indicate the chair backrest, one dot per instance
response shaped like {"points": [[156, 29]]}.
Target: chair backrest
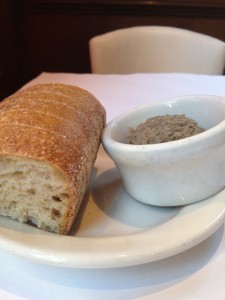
{"points": [[156, 49]]}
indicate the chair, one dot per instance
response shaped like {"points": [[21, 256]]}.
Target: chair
{"points": [[156, 49]]}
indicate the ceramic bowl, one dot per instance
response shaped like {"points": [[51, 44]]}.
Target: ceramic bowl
{"points": [[172, 173]]}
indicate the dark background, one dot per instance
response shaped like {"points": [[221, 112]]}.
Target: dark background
{"points": [[53, 35]]}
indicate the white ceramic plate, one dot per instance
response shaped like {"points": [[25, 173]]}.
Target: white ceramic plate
{"points": [[114, 230]]}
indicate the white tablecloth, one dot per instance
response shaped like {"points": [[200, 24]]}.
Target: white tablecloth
{"points": [[198, 273]]}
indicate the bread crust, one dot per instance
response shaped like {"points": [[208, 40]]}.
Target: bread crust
{"points": [[59, 125]]}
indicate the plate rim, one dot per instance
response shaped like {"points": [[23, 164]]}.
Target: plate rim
{"points": [[114, 251]]}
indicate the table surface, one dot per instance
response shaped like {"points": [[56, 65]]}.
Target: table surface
{"points": [[197, 273]]}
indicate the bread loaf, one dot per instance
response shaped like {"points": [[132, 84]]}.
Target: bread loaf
{"points": [[50, 134]]}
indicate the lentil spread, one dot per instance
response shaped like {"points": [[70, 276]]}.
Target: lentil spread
{"points": [[162, 129]]}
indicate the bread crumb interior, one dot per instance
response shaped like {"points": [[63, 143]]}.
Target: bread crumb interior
{"points": [[33, 192]]}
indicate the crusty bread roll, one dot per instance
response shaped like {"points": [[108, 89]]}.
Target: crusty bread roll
{"points": [[50, 134]]}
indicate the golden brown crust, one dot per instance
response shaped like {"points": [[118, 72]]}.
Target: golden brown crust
{"points": [[58, 124]]}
